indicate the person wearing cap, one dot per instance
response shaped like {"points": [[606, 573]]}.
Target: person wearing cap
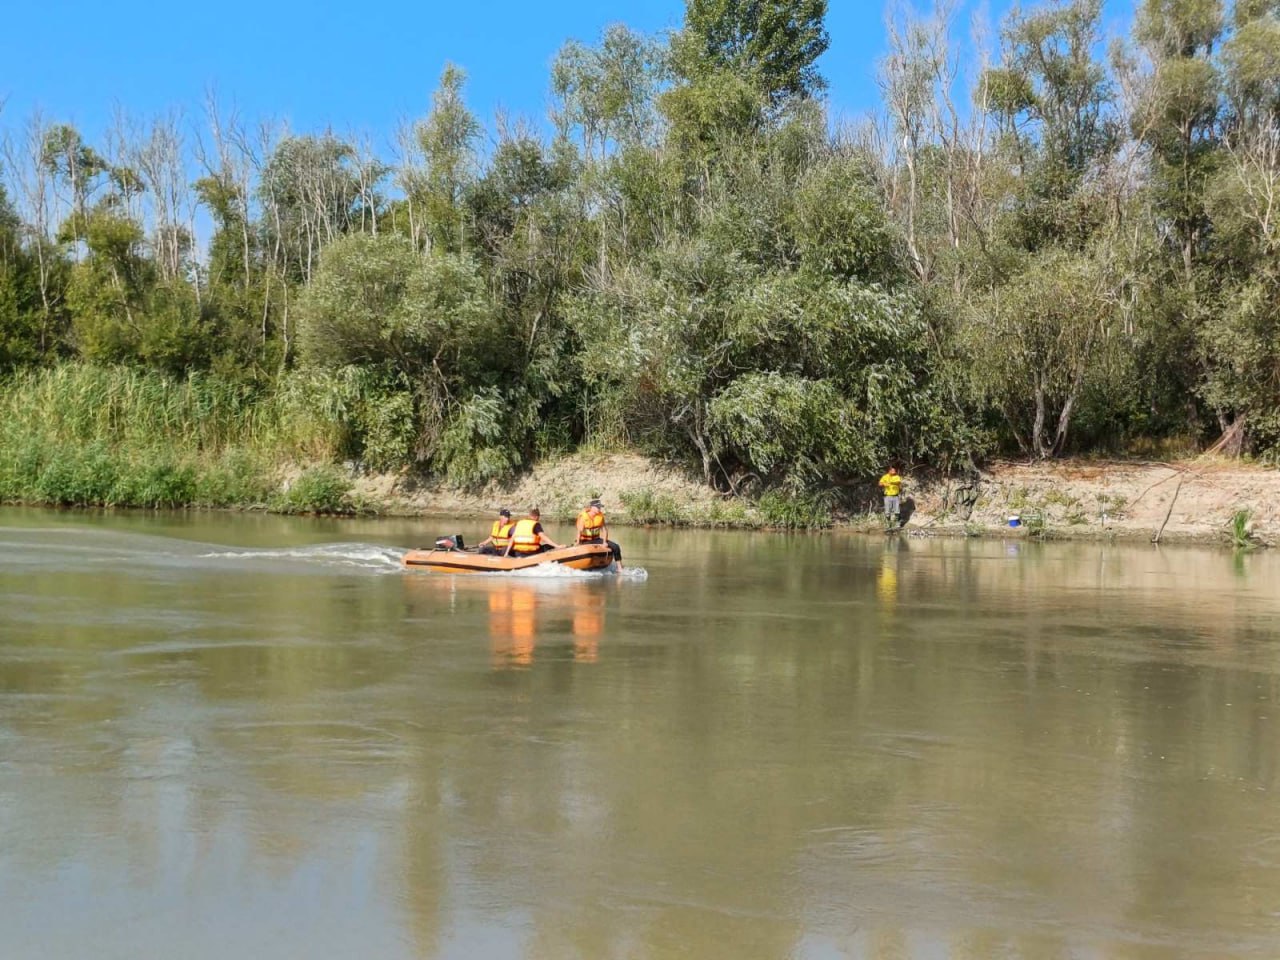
{"points": [[500, 536], [592, 529], [891, 484], [528, 537]]}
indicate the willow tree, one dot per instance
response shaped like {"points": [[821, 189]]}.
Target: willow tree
{"points": [[1242, 338], [740, 64], [1035, 328], [408, 341], [441, 165], [606, 94], [774, 45]]}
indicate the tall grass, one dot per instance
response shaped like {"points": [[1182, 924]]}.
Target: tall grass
{"points": [[106, 436], [317, 490], [1240, 530]]}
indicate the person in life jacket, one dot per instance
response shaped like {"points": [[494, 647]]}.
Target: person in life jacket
{"points": [[528, 536], [593, 529], [500, 535]]}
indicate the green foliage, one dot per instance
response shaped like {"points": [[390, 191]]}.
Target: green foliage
{"points": [[1036, 343], [445, 144], [23, 327], [237, 478], [1240, 531], [476, 446], [323, 490], [840, 227], [352, 312], [650, 507], [789, 430], [177, 333], [314, 186], [721, 105], [376, 302], [795, 511], [774, 46], [418, 346], [79, 435], [1036, 525], [161, 483], [107, 290], [607, 92]]}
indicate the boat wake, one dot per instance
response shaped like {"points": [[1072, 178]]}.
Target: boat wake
{"points": [[374, 558], [557, 571], [363, 556]]}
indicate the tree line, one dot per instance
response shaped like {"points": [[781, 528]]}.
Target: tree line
{"points": [[1052, 243]]}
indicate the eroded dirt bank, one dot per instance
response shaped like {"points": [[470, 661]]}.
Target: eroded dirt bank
{"points": [[1192, 500], [1186, 501]]}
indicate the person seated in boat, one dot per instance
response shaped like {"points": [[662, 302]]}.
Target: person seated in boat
{"points": [[528, 537], [499, 536], [593, 529]]}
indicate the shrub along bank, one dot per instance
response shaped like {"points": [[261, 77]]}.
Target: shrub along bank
{"points": [[81, 435]]}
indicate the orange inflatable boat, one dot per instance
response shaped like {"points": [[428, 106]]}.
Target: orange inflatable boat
{"points": [[449, 559]]}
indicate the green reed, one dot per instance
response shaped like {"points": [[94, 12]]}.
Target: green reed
{"points": [[82, 435]]}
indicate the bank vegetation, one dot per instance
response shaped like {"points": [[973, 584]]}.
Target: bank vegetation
{"points": [[1065, 244]]}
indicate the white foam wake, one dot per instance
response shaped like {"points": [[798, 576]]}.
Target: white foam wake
{"points": [[364, 556], [552, 571]]}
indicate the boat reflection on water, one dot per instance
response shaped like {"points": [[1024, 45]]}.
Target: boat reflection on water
{"points": [[588, 626], [526, 613], [520, 614], [513, 625]]}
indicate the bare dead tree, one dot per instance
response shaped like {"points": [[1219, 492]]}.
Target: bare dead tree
{"points": [[369, 172], [921, 81], [230, 163], [268, 135], [159, 161], [1253, 152], [119, 147], [411, 177], [905, 84]]}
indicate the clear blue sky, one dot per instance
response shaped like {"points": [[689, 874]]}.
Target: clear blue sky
{"points": [[353, 66]]}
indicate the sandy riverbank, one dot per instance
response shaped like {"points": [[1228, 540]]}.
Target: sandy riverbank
{"points": [[1190, 501], [1185, 501]]}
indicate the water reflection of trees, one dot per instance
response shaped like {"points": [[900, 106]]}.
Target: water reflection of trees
{"points": [[771, 744]]}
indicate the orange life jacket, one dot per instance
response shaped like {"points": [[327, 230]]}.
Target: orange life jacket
{"points": [[500, 535], [523, 538], [590, 526]]}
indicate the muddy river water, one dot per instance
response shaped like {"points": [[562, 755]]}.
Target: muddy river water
{"points": [[244, 736]]}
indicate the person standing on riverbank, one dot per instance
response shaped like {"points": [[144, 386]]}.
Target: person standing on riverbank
{"points": [[891, 484], [593, 529]]}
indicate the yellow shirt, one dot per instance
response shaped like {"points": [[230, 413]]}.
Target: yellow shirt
{"points": [[892, 484]]}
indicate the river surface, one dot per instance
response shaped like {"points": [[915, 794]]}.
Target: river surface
{"points": [[234, 736]]}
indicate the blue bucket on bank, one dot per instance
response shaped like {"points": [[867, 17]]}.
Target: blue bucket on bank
{"points": [[1015, 521]]}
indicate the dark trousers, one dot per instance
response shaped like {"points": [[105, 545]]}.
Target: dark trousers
{"points": [[617, 550], [542, 548]]}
